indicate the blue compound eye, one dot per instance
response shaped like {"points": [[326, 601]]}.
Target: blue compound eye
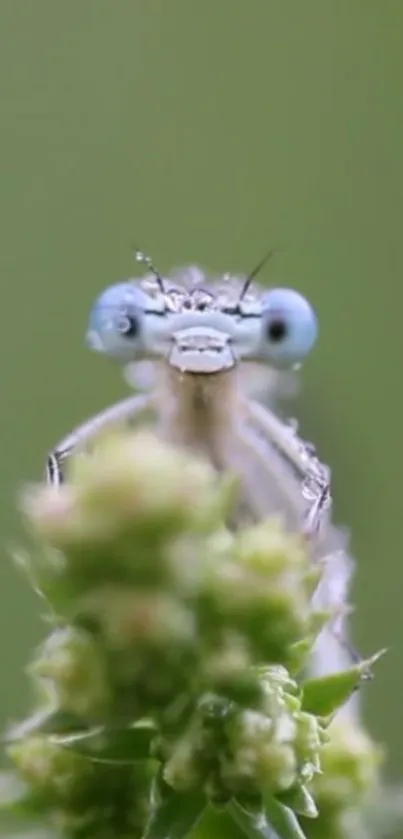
{"points": [[289, 327], [117, 321]]}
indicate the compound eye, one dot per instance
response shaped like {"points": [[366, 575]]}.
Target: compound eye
{"points": [[289, 327], [128, 323], [116, 322]]}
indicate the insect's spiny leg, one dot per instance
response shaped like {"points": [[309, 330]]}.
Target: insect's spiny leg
{"points": [[54, 474], [124, 410], [261, 471], [282, 436], [316, 486], [314, 515], [302, 458]]}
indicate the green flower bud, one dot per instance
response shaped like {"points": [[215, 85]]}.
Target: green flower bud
{"points": [[131, 484], [123, 508], [275, 748], [261, 754], [348, 780], [188, 768], [257, 584], [79, 797], [350, 762], [73, 666], [227, 670], [150, 642], [50, 771], [137, 618], [308, 742]]}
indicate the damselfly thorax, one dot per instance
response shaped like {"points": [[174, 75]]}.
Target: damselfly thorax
{"points": [[215, 344]]}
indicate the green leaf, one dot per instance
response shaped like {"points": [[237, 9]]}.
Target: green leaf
{"points": [[275, 821], [301, 801], [175, 816], [298, 653], [322, 696], [112, 745]]}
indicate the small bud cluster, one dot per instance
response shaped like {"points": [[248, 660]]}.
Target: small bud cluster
{"points": [[350, 763], [235, 750], [79, 797], [175, 652]]}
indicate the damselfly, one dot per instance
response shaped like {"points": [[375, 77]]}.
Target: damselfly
{"points": [[206, 338]]}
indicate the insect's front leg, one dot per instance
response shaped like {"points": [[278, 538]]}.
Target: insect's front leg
{"points": [[124, 410], [301, 456], [317, 490]]}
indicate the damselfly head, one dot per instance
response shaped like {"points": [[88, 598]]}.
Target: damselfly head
{"points": [[201, 324]]}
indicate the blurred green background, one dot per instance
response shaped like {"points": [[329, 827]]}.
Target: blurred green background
{"points": [[207, 131]]}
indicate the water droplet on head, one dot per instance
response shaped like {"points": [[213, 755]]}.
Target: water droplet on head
{"points": [[144, 259]]}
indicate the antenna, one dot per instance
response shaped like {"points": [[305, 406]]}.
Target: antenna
{"points": [[254, 273], [145, 260]]}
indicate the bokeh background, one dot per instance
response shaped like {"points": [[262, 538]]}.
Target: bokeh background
{"points": [[205, 131]]}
